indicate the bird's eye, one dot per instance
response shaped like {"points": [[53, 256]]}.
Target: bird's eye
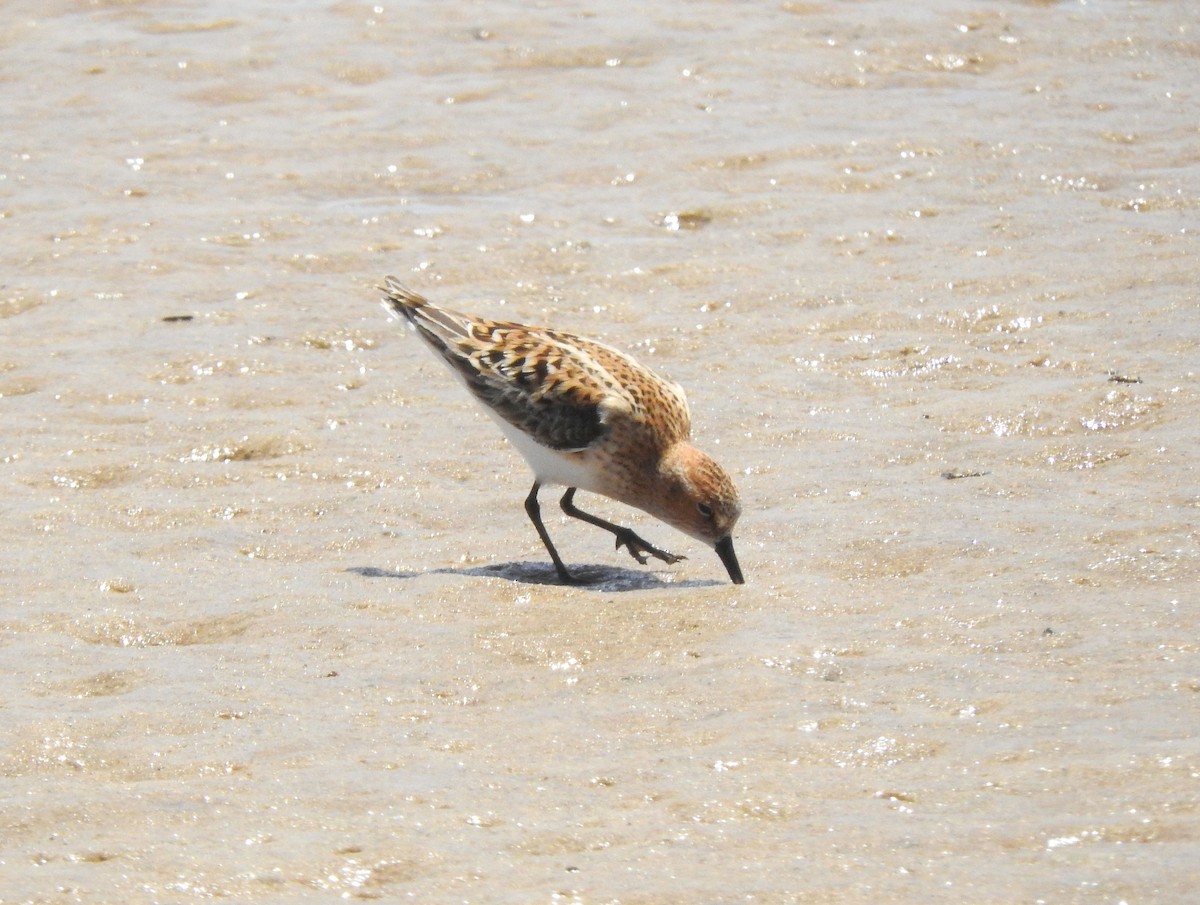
{"points": [[705, 510]]}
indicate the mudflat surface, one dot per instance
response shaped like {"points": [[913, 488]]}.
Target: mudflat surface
{"points": [[274, 626]]}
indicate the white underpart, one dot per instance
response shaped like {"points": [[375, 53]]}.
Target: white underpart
{"points": [[550, 466]]}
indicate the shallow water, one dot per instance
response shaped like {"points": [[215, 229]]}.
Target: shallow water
{"points": [[274, 623]]}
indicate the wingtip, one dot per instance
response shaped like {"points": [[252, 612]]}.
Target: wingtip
{"points": [[399, 299]]}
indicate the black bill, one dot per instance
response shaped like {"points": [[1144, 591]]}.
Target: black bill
{"points": [[725, 551]]}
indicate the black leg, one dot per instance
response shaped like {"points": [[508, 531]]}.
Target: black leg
{"points": [[534, 509], [637, 547]]}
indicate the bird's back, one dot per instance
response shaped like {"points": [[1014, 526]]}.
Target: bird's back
{"points": [[566, 391]]}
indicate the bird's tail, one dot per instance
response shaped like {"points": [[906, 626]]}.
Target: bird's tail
{"points": [[400, 299], [437, 325]]}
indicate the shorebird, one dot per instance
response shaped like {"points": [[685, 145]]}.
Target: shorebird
{"points": [[587, 417]]}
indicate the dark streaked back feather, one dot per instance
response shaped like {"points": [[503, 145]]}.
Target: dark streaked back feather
{"points": [[521, 373]]}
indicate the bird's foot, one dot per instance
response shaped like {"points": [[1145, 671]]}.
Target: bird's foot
{"points": [[639, 548]]}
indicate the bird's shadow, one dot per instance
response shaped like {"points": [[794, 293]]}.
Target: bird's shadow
{"points": [[588, 578]]}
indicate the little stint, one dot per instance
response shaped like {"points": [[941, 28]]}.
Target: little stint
{"points": [[587, 417]]}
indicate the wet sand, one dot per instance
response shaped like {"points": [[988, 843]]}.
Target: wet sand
{"points": [[275, 626]]}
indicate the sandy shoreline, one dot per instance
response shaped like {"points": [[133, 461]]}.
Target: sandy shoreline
{"points": [[274, 622]]}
